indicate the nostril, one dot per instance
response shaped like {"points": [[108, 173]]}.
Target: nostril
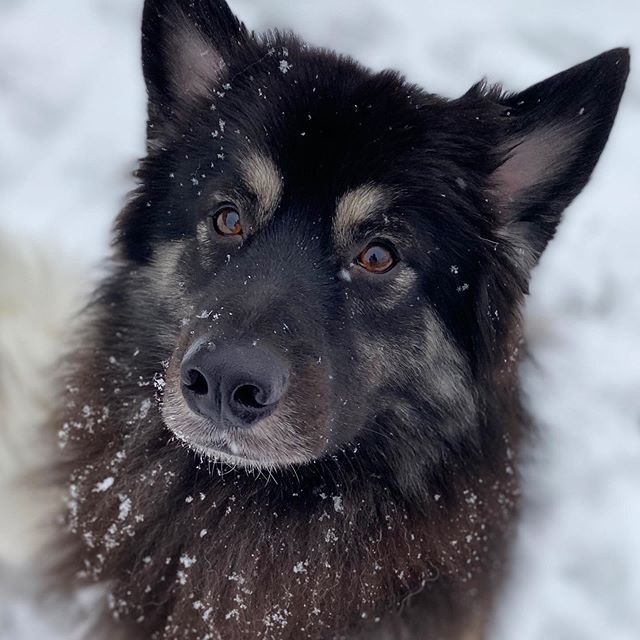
{"points": [[196, 382], [234, 386], [249, 396]]}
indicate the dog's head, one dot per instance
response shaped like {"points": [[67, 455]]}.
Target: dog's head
{"points": [[334, 257]]}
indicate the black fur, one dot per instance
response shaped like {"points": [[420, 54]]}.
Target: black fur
{"points": [[397, 524]]}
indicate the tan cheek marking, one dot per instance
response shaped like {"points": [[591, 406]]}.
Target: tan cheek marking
{"points": [[263, 178], [204, 243], [165, 261], [355, 206], [202, 232]]}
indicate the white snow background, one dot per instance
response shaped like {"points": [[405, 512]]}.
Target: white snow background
{"points": [[72, 110]]}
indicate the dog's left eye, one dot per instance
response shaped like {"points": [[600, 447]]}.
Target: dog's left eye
{"points": [[377, 258], [226, 221]]}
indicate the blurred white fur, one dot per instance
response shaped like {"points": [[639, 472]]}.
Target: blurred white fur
{"points": [[40, 292]]}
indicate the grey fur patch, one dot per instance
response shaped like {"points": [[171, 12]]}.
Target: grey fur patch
{"points": [[205, 247], [398, 288], [160, 282], [165, 262], [432, 361]]}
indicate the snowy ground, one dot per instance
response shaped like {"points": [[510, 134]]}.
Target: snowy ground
{"points": [[71, 125]]}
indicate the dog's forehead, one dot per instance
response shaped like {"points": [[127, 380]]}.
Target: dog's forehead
{"points": [[327, 136], [347, 207], [325, 117]]}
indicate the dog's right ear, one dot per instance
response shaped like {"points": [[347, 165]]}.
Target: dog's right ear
{"points": [[186, 47]]}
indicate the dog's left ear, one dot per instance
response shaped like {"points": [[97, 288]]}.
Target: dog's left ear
{"points": [[187, 46], [553, 135]]}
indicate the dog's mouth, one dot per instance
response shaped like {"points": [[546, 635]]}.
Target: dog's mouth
{"points": [[229, 453], [271, 445]]}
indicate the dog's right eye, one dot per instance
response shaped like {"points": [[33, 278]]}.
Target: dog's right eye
{"points": [[226, 221]]}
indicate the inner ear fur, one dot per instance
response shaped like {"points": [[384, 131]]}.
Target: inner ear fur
{"points": [[186, 48]]}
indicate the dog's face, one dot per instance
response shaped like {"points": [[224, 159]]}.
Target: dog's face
{"points": [[336, 257], [313, 235]]}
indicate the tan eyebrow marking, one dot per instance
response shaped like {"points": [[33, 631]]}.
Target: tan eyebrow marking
{"points": [[356, 206], [262, 177]]}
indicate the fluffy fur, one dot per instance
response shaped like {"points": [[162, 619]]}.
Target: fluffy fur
{"points": [[378, 499], [39, 291]]}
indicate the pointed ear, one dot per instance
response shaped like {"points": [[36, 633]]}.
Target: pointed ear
{"points": [[186, 47], [553, 135]]}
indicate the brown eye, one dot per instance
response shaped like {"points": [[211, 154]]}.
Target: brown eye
{"points": [[227, 221], [377, 258]]}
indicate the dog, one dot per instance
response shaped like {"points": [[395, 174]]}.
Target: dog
{"points": [[293, 409]]}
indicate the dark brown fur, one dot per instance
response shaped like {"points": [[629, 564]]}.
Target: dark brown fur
{"points": [[437, 562]]}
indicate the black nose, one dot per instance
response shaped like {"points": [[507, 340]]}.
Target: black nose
{"points": [[233, 385]]}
